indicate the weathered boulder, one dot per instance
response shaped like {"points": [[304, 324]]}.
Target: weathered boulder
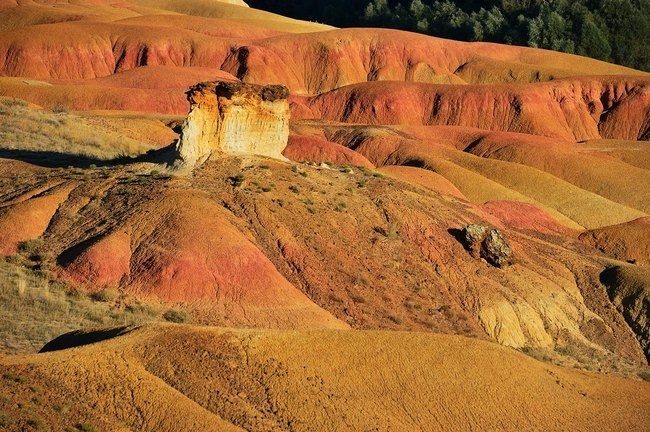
{"points": [[234, 118], [484, 242]]}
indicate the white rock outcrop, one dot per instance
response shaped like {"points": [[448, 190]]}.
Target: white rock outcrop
{"points": [[234, 119]]}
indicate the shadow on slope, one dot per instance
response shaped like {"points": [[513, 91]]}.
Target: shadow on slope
{"points": [[52, 159], [81, 337]]}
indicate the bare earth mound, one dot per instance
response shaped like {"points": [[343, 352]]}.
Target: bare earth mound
{"points": [[171, 378]]}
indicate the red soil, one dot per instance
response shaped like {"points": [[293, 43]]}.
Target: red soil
{"points": [[306, 148]]}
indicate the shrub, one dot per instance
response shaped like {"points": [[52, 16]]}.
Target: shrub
{"points": [[175, 316], [31, 248], [59, 108], [295, 189], [340, 207], [645, 376], [237, 180]]}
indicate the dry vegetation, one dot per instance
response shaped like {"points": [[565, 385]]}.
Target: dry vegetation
{"points": [[35, 309], [58, 134]]}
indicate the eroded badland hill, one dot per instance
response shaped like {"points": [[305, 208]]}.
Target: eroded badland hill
{"points": [[310, 212]]}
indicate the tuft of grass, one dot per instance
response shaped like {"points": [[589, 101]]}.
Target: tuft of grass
{"points": [[86, 427], [535, 353], [645, 376], [14, 378], [295, 189], [37, 423], [105, 295], [63, 408], [5, 420], [340, 207]]}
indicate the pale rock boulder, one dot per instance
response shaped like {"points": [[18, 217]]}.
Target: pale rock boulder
{"points": [[232, 118]]}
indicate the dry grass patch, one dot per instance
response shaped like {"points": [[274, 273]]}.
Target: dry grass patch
{"points": [[57, 131], [35, 309]]}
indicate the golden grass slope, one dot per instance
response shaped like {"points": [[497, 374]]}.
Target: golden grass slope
{"points": [[168, 378]]}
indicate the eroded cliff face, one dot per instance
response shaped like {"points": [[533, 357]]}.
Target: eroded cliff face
{"points": [[234, 118]]}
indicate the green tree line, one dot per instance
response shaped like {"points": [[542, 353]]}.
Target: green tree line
{"points": [[611, 30]]}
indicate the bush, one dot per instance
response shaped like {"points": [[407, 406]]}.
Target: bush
{"points": [[175, 316], [237, 180], [59, 108], [31, 248]]}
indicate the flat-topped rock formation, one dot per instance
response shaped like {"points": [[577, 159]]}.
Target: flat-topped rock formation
{"points": [[234, 118]]}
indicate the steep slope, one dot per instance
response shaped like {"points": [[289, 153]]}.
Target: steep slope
{"points": [[569, 109], [165, 378]]}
